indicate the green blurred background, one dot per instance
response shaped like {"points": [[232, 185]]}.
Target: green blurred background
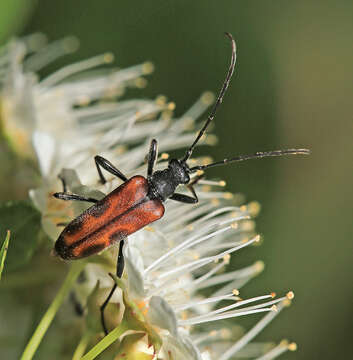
{"points": [[292, 88]]}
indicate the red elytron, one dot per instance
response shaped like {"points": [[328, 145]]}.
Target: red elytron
{"points": [[121, 213]]}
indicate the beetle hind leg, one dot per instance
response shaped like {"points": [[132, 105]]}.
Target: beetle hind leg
{"points": [[119, 273]]}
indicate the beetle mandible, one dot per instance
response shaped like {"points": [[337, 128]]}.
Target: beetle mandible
{"points": [[139, 200]]}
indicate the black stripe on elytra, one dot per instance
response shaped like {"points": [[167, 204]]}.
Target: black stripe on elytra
{"points": [[108, 223], [98, 209], [92, 249]]}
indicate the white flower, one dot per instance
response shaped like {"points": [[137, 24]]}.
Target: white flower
{"points": [[70, 116]]}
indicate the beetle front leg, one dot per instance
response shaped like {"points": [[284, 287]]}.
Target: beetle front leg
{"points": [[119, 273], [152, 156], [108, 166], [186, 199]]}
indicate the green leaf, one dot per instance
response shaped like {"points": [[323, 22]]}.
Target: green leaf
{"points": [[3, 251], [25, 222]]}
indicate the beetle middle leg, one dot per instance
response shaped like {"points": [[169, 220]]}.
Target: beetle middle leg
{"points": [[108, 166], [119, 273], [64, 195], [68, 196]]}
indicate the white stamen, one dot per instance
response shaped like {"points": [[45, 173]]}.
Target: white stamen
{"points": [[250, 334], [75, 68], [282, 347], [202, 262], [204, 301], [195, 321]]}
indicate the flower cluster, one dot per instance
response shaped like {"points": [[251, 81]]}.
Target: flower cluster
{"points": [[175, 275]]}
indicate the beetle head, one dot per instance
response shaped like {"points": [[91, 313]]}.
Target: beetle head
{"points": [[180, 171]]}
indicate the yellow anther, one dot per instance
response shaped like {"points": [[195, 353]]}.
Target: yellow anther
{"points": [[290, 295], [235, 292], [149, 228], [284, 343], [248, 225], [71, 44], [228, 195], [147, 67], [171, 106], [207, 98], [254, 208], [257, 238], [199, 172], [292, 346], [234, 225], [221, 183], [243, 208], [161, 100], [226, 259], [84, 100], [259, 266], [164, 156], [190, 227], [273, 295], [140, 83], [108, 58], [215, 202]]}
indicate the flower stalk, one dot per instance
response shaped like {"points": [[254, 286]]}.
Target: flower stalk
{"points": [[107, 341], [48, 317]]}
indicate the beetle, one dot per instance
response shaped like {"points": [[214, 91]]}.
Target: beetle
{"points": [[139, 200]]}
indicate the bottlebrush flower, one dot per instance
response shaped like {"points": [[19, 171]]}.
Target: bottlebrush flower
{"points": [[65, 119]]}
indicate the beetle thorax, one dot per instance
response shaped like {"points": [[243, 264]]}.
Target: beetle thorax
{"points": [[164, 182]]}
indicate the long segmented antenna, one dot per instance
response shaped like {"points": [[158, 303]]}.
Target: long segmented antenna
{"points": [[257, 155], [218, 102]]}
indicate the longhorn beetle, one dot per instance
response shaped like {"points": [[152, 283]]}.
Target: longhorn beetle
{"points": [[139, 200]]}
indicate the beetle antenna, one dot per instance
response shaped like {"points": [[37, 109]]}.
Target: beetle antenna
{"points": [[218, 102], [257, 155]]}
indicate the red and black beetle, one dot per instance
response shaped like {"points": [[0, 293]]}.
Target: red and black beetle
{"points": [[138, 201]]}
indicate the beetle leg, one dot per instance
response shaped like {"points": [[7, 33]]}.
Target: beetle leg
{"points": [[67, 196], [62, 224], [107, 165], [119, 272], [185, 198], [152, 156]]}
